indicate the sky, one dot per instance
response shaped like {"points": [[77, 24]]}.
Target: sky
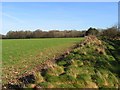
{"points": [[58, 15], [60, 0]]}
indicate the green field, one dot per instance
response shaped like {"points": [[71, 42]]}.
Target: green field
{"points": [[22, 55], [93, 64]]}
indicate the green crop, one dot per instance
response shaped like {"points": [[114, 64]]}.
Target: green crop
{"points": [[22, 55]]}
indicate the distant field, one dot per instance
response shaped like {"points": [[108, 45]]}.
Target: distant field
{"points": [[21, 55]]}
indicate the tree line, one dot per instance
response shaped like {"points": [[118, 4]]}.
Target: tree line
{"points": [[43, 34], [111, 32]]}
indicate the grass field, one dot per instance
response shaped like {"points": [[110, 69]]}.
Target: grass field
{"points": [[90, 65], [22, 55]]}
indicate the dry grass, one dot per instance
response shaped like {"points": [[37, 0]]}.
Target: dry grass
{"points": [[38, 77], [55, 70], [100, 50]]}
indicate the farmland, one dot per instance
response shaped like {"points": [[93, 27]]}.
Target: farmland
{"points": [[90, 65], [23, 55], [60, 45]]}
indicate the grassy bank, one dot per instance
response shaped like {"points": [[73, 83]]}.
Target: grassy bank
{"points": [[90, 65]]}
